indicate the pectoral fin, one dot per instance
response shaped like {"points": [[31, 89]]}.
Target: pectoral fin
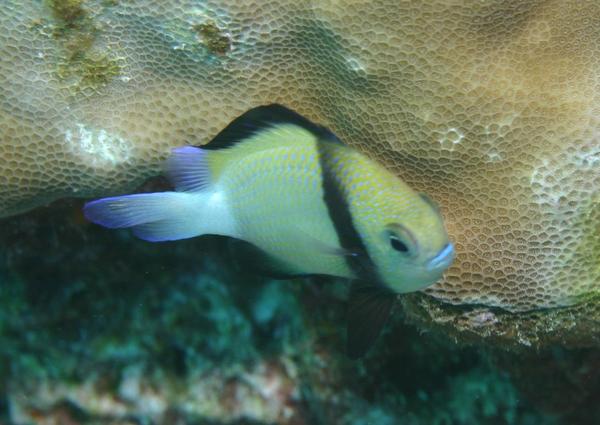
{"points": [[369, 308], [321, 247]]}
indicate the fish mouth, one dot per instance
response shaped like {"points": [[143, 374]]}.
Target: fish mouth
{"points": [[442, 259]]}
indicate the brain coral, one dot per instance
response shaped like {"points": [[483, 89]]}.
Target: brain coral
{"points": [[491, 107]]}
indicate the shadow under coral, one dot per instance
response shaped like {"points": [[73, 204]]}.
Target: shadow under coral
{"points": [[177, 333]]}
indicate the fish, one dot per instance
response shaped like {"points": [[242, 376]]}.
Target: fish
{"points": [[304, 203]]}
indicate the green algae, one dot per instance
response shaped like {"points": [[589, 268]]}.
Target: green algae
{"points": [[216, 40], [591, 299], [588, 251], [91, 70], [67, 11], [81, 63]]}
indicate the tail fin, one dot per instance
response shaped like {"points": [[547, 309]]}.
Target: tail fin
{"points": [[154, 217]]}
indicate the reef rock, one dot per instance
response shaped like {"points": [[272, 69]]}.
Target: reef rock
{"points": [[493, 108]]}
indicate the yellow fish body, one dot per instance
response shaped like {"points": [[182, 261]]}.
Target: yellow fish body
{"points": [[310, 203]]}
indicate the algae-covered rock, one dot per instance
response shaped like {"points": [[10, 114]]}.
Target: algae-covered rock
{"points": [[575, 326]]}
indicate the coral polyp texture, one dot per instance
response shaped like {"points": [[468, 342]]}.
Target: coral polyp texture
{"points": [[492, 108]]}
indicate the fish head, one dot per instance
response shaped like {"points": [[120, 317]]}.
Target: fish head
{"points": [[407, 242]]}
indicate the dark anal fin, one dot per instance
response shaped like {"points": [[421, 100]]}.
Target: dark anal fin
{"points": [[369, 309]]}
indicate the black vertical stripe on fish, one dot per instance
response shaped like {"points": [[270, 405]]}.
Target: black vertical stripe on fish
{"points": [[341, 218], [370, 302], [263, 118]]}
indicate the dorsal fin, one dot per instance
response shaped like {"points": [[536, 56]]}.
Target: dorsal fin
{"points": [[261, 118]]}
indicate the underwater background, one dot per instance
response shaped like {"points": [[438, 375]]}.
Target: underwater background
{"points": [[98, 327], [489, 107]]}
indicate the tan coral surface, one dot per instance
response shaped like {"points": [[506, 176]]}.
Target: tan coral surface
{"points": [[491, 107]]}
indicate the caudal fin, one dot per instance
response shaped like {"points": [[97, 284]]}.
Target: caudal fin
{"points": [[153, 217]]}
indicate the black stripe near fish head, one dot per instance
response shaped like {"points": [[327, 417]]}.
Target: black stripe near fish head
{"points": [[339, 213], [263, 118], [370, 302]]}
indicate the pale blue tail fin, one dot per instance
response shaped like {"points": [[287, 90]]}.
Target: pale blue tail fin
{"points": [[196, 208], [153, 217]]}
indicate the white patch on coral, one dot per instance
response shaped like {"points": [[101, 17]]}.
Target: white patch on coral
{"points": [[355, 65], [450, 138], [97, 147], [179, 46], [506, 122], [542, 185], [588, 160], [493, 155], [490, 145]]}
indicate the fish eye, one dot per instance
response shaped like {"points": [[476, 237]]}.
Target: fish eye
{"points": [[402, 240], [397, 244]]}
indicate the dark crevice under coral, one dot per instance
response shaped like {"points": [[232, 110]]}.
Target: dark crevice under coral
{"points": [[78, 301]]}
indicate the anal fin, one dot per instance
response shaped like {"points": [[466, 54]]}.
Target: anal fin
{"points": [[369, 308]]}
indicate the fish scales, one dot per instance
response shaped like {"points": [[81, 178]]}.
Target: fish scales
{"points": [[276, 196]]}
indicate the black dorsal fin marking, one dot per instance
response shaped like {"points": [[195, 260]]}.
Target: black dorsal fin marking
{"points": [[263, 117]]}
